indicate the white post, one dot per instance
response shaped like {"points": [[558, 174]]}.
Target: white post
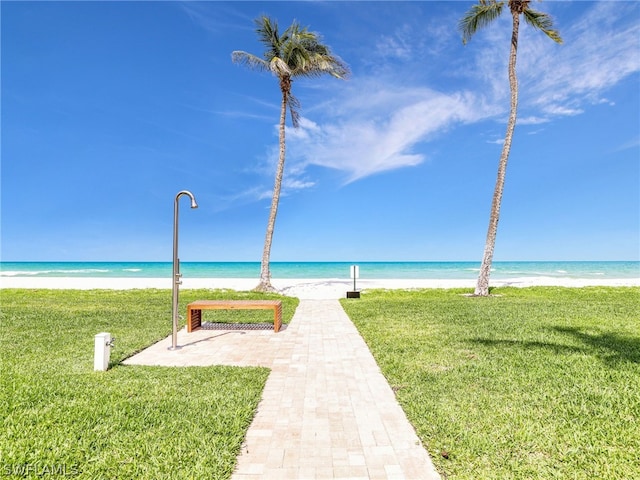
{"points": [[355, 273], [102, 351]]}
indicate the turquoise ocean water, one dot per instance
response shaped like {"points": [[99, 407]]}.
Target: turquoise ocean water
{"points": [[368, 270]]}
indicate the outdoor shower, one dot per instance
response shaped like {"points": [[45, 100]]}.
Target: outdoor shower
{"points": [[176, 266]]}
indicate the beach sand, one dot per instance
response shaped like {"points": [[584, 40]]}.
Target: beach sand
{"points": [[330, 288]]}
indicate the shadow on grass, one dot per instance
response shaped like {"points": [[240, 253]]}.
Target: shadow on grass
{"points": [[523, 344], [611, 347]]}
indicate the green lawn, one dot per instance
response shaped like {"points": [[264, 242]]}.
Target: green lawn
{"points": [[61, 417], [536, 383]]}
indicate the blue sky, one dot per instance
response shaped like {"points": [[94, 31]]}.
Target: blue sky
{"points": [[109, 109]]}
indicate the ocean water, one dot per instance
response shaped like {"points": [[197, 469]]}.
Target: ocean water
{"points": [[336, 270]]}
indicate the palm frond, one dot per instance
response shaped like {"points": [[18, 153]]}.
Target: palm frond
{"points": [[249, 60], [267, 30], [326, 65], [296, 52], [543, 22], [298, 48], [294, 109], [479, 16], [339, 68]]}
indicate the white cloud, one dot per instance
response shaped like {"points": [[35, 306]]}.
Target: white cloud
{"points": [[399, 45], [633, 143], [290, 184], [379, 129], [225, 17], [532, 120], [381, 122], [562, 110], [600, 49]]}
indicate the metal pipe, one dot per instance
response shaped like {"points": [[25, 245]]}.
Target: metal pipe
{"points": [[176, 267]]}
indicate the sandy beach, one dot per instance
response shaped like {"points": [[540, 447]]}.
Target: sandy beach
{"points": [[329, 288]]}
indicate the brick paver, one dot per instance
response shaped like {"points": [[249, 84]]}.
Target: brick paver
{"points": [[326, 412]]}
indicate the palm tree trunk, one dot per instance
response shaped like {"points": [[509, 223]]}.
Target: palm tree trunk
{"points": [[482, 286], [265, 272]]}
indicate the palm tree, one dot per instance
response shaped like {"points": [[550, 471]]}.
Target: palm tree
{"points": [[479, 16], [295, 53]]}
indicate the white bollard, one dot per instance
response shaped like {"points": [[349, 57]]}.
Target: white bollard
{"points": [[355, 273], [102, 351]]}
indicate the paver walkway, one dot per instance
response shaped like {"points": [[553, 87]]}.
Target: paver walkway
{"points": [[326, 412]]}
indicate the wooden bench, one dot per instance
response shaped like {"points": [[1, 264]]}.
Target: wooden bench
{"points": [[194, 310]]}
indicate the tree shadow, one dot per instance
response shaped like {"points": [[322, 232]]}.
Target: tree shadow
{"points": [[610, 347], [522, 344]]}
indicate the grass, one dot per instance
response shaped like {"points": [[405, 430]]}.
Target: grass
{"points": [[60, 417], [536, 383]]}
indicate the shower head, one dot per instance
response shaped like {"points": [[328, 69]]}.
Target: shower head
{"points": [[194, 204]]}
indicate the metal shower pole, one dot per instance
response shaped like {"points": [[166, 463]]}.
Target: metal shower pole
{"points": [[176, 266]]}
